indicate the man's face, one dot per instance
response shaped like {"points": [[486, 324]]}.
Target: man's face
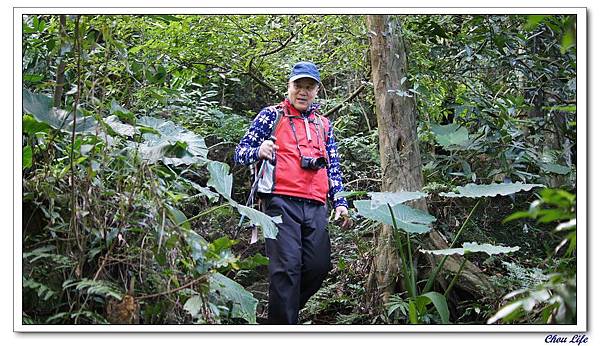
{"points": [[302, 92]]}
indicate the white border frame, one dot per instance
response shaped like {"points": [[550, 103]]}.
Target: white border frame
{"points": [[582, 256]]}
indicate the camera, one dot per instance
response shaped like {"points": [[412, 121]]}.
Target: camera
{"points": [[314, 163]]}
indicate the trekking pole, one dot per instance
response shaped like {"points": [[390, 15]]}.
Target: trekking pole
{"points": [[250, 200]]}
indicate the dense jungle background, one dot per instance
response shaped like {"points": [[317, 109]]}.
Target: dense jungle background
{"points": [[458, 142]]}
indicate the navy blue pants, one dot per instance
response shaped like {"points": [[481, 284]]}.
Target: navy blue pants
{"points": [[299, 258]]}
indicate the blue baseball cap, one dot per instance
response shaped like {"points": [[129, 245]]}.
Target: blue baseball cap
{"points": [[305, 69]]}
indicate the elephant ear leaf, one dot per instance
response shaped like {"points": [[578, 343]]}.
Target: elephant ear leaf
{"points": [[226, 291], [409, 219], [473, 247], [490, 190], [170, 143], [220, 178], [393, 198], [266, 222], [40, 107], [451, 135]]}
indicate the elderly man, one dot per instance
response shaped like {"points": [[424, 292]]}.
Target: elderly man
{"points": [[302, 168]]}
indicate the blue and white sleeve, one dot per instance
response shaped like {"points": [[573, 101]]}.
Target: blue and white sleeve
{"points": [[246, 151], [334, 171]]}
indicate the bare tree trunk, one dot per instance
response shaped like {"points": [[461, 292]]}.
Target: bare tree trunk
{"points": [[398, 147], [400, 158]]}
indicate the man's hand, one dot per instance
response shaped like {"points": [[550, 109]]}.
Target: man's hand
{"points": [[267, 150], [343, 212]]}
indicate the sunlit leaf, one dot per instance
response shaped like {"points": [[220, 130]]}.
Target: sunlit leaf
{"points": [[32, 126], [27, 156], [533, 21], [172, 133], [504, 312], [166, 143], [347, 194]]}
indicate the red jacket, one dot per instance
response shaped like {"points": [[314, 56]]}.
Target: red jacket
{"points": [[285, 176]]}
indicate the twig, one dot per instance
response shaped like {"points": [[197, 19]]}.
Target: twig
{"points": [[148, 296], [348, 99], [77, 96], [361, 179]]}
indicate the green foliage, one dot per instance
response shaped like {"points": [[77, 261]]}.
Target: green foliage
{"points": [[554, 300], [136, 193]]}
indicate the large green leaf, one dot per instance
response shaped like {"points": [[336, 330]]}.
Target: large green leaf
{"points": [[27, 156], [171, 133], [193, 305], [473, 247], [213, 197], [555, 168], [266, 223], [122, 113], [227, 291], [120, 127], [178, 217], [439, 302], [170, 143], [475, 190], [451, 135], [199, 248], [409, 219], [40, 106], [220, 178], [393, 198], [32, 126]]}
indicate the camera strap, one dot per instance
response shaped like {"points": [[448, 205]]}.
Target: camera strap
{"points": [[294, 132]]}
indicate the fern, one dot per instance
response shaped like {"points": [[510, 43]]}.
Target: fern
{"points": [[44, 253], [42, 290], [92, 316], [97, 287]]}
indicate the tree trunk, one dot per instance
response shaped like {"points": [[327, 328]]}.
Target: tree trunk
{"points": [[60, 71], [400, 159]]}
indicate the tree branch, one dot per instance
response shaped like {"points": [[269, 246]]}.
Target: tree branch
{"points": [[348, 99], [148, 296]]}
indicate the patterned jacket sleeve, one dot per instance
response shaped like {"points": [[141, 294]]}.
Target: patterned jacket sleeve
{"points": [[246, 151], [334, 171]]}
